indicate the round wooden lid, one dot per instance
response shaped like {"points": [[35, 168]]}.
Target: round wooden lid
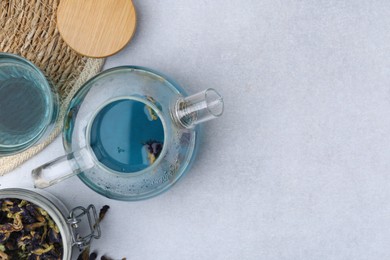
{"points": [[96, 28]]}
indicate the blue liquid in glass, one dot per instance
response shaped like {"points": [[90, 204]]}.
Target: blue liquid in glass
{"points": [[22, 110], [127, 135]]}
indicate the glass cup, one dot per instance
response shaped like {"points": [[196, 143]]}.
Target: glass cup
{"points": [[28, 105]]}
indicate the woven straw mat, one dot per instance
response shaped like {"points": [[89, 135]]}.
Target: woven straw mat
{"points": [[28, 28]]}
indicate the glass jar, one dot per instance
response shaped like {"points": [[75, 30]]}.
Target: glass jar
{"points": [[68, 222]]}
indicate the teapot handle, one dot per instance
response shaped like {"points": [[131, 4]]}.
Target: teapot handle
{"points": [[62, 168]]}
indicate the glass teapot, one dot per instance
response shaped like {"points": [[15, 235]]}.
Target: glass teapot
{"points": [[130, 133]]}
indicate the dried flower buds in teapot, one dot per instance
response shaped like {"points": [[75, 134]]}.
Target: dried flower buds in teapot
{"points": [[27, 232]]}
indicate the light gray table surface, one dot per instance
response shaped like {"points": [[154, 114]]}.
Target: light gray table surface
{"points": [[298, 167]]}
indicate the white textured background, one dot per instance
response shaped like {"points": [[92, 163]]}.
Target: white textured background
{"points": [[298, 167]]}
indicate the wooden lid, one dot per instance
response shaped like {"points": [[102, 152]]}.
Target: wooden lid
{"points": [[96, 28]]}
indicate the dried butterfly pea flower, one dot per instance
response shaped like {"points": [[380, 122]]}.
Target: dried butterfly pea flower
{"points": [[108, 258], [153, 149], [54, 236], [3, 238], [27, 232], [93, 256], [27, 217]]}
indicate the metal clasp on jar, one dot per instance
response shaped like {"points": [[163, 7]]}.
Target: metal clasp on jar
{"points": [[76, 216]]}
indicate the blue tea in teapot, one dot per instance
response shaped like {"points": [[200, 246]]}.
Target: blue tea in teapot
{"points": [[126, 135]]}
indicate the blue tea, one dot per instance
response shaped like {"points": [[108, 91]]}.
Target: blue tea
{"points": [[23, 107], [127, 135]]}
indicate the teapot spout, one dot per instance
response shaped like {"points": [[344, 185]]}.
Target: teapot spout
{"points": [[198, 108]]}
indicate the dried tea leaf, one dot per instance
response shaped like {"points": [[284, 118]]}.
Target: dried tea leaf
{"points": [[84, 255], [103, 212]]}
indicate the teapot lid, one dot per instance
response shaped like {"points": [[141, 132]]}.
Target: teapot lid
{"points": [[96, 28]]}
